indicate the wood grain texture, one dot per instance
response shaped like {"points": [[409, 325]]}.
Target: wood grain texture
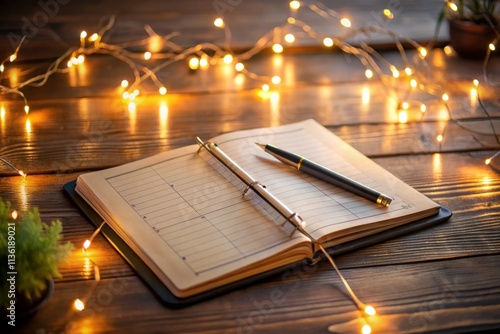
{"points": [[410, 299], [443, 279]]}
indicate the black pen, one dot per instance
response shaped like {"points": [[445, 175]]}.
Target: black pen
{"points": [[325, 174]]}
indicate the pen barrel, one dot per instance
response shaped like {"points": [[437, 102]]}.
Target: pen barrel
{"points": [[340, 181]]}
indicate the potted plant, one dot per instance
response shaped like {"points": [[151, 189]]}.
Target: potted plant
{"points": [[30, 252], [472, 26]]}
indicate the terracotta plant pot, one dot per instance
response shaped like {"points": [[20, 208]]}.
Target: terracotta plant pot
{"points": [[470, 40]]}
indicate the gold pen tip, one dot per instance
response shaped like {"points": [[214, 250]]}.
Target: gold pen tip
{"points": [[262, 146]]}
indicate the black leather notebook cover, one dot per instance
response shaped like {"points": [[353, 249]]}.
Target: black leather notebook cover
{"points": [[170, 300]]}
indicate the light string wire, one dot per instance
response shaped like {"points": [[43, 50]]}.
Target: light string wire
{"points": [[374, 62]]}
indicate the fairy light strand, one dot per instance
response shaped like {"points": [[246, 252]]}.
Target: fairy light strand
{"points": [[20, 172]]}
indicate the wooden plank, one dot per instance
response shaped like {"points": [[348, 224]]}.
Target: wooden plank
{"points": [[460, 182], [410, 298], [99, 144], [52, 27]]}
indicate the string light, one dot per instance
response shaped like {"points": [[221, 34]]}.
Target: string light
{"points": [[492, 47], [453, 6], [124, 83], [87, 242], [228, 58], [147, 55], [219, 22], [345, 22], [194, 63], [294, 5], [488, 161], [445, 97], [163, 90], [239, 67], [328, 42], [20, 172], [276, 80], [78, 305], [369, 74], [265, 88], [277, 48], [289, 38], [366, 329], [14, 214]]}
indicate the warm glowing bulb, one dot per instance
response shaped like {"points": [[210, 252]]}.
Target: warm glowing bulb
{"points": [[277, 48], [405, 105], [228, 59], [136, 92], [422, 51], [69, 63], [413, 83], [395, 72], [276, 80], [491, 46], [366, 329], [294, 5], [289, 38], [448, 50], [423, 108], [79, 305], [2, 68], [86, 244], [408, 71], [12, 57], [81, 59], [388, 13], [131, 96], [94, 37], [147, 55], [328, 42], [125, 95], [194, 63], [487, 161], [475, 82], [345, 22], [163, 90], [26, 108], [124, 83], [369, 74], [14, 214], [83, 34], [370, 310], [203, 62], [219, 22], [291, 20], [453, 6], [265, 88], [439, 138], [445, 97], [239, 67], [23, 174]]}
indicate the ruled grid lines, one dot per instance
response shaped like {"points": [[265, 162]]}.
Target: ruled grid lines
{"points": [[195, 206], [320, 204]]}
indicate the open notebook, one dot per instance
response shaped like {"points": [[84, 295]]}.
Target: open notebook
{"points": [[183, 214]]}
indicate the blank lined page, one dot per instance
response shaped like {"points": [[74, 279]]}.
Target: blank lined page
{"points": [[325, 207], [197, 212]]}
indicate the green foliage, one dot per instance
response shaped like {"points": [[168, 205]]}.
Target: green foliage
{"points": [[477, 11], [38, 251]]}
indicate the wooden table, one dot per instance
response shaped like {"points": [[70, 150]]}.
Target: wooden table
{"points": [[442, 279]]}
